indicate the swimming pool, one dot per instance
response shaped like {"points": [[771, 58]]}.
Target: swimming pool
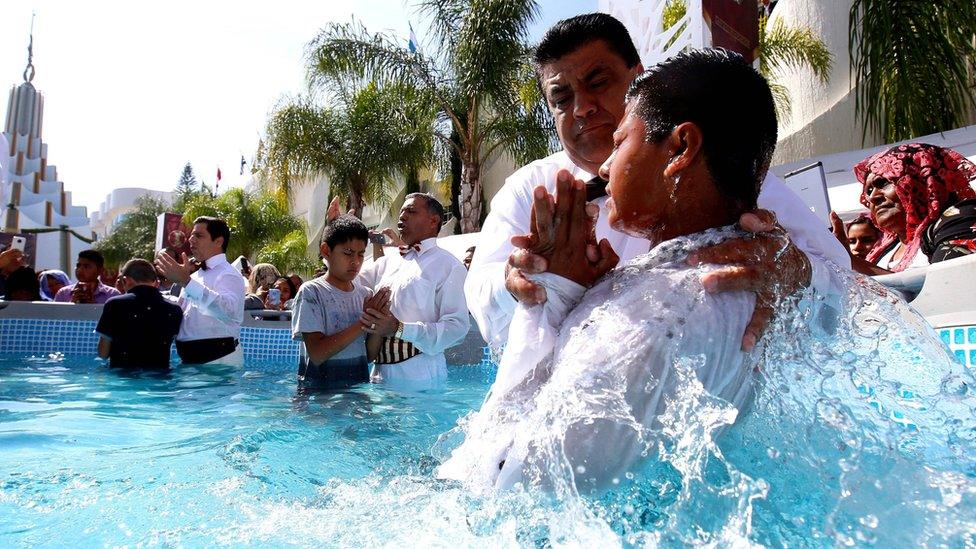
{"points": [[845, 444]]}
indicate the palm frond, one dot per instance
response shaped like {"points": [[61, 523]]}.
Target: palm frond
{"points": [[446, 17], [792, 47], [344, 50], [301, 140], [909, 60], [781, 98], [491, 43]]}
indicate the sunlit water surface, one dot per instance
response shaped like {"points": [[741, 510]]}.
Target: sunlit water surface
{"points": [[865, 439]]}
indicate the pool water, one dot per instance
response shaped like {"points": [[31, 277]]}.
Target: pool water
{"points": [[864, 438], [92, 456]]}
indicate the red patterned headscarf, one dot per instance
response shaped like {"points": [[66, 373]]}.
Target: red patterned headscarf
{"points": [[924, 177]]}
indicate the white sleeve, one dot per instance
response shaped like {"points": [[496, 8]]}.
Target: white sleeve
{"points": [[808, 233], [534, 330], [489, 301], [452, 316], [225, 300]]}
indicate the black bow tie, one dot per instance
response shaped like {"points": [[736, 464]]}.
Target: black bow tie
{"points": [[595, 188], [404, 250], [202, 265]]}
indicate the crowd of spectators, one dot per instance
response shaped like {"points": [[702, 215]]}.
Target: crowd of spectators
{"points": [[921, 209]]}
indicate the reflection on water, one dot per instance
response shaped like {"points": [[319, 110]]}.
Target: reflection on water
{"points": [[858, 435]]}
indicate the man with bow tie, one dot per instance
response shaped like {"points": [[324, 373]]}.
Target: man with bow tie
{"points": [[212, 298], [428, 313]]}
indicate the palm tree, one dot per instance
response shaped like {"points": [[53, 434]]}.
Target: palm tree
{"points": [[912, 62], [363, 142], [477, 75]]}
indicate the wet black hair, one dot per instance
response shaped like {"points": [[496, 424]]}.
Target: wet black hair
{"points": [[215, 228], [343, 229], [434, 206], [569, 35], [94, 256], [731, 104]]}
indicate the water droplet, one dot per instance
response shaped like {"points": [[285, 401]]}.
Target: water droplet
{"points": [[580, 469], [773, 453]]}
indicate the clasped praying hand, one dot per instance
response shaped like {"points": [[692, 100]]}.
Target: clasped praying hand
{"points": [[563, 233]]}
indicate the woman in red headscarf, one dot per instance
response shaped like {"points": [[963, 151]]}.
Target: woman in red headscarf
{"points": [[919, 195]]}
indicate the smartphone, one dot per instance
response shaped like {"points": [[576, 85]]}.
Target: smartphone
{"points": [[377, 238], [274, 296], [18, 243]]}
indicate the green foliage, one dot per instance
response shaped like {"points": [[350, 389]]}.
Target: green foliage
{"points": [[134, 236], [364, 141], [780, 47], [476, 75], [186, 188], [674, 10], [911, 61], [257, 221], [289, 254]]}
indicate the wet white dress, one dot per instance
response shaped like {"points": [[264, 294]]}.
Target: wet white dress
{"points": [[583, 387]]}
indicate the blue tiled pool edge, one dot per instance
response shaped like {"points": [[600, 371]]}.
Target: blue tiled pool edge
{"points": [[41, 336], [42, 329]]}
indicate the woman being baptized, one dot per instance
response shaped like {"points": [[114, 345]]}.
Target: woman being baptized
{"points": [[591, 379]]}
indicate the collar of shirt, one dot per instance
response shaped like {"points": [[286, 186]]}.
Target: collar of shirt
{"points": [[216, 261], [427, 244]]}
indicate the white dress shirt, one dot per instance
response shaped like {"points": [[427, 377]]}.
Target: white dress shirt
{"points": [[212, 302], [427, 295], [620, 368], [492, 305]]}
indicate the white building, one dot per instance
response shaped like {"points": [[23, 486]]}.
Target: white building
{"points": [[33, 196], [117, 204]]}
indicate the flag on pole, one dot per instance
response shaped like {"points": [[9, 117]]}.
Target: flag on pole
{"points": [[413, 44], [243, 163]]}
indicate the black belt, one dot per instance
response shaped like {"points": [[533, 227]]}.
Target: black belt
{"points": [[201, 351]]}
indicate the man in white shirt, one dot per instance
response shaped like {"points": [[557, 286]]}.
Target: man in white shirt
{"points": [[428, 313], [584, 65], [212, 298]]}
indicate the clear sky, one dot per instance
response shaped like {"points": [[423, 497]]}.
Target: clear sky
{"points": [[134, 90]]}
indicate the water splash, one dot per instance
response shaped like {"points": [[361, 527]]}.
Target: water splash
{"points": [[861, 429]]}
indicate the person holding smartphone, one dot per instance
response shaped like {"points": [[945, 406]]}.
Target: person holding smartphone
{"points": [[89, 288]]}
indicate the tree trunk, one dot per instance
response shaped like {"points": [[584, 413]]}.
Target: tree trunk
{"points": [[470, 196], [355, 202]]}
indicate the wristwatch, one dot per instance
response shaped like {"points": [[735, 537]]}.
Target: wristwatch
{"points": [[399, 331]]}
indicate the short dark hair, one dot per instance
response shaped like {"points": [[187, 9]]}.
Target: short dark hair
{"points": [[94, 256], [569, 35], [863, 219], [434, 206], [23, 279], [343, 229], [216, 228], [139, 270], [728, 100]]}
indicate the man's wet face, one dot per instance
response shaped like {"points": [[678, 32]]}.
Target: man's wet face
{"points": [[585, 92]]}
